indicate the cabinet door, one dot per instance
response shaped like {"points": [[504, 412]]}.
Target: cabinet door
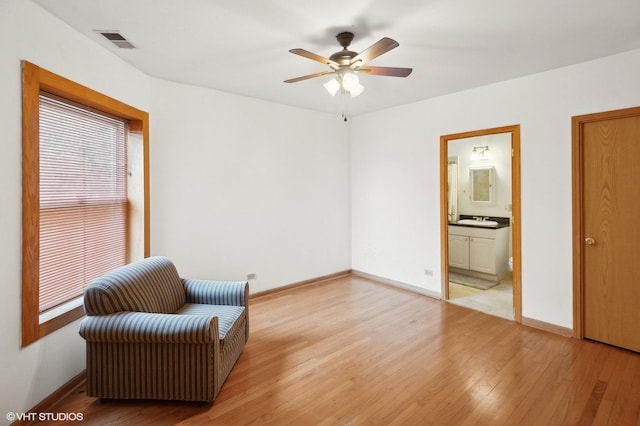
{"points": [[459, 251], [482, 255]]}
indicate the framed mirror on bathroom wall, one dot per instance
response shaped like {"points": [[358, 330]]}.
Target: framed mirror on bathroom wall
{"points": [[483, 188]]}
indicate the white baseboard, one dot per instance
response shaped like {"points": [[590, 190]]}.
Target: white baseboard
{"points": [[394, 283], [545, 326]]}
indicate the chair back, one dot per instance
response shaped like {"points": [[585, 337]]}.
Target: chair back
{"points": [[148, 285]]}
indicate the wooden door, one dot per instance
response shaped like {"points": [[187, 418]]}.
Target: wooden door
{"points": [[610, 160]]}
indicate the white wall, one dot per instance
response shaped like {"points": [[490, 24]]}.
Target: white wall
{"points": [[395, 175], [30, 374], [240, 186]]}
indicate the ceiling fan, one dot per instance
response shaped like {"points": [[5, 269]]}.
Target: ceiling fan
{"points": [[346, 64]]}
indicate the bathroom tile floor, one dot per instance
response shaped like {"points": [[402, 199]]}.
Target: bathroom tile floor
{"points": [[496, 301]]}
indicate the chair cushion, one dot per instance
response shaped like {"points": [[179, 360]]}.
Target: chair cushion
{"points": [[227, 315], [149, 285]]}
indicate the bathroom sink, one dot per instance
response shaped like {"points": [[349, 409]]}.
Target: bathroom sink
{"points": [[474, 222]]}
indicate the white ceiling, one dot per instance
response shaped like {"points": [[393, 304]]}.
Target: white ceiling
{"points": [[241, 46]]}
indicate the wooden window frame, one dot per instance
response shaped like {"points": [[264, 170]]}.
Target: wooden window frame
{"points": [[35, 80]]}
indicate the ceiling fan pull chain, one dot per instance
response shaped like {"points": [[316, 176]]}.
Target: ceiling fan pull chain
{"points": [[344, 106]]}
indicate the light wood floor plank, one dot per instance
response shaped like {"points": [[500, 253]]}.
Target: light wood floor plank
{"points": [[352, 351]]}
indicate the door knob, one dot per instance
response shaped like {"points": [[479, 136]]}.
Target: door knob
{"points": [[590, 241]]}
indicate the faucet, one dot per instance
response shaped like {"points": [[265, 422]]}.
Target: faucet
{"points": [[485, 218]]}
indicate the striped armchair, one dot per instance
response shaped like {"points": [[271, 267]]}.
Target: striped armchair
{"points": [[153, 335]]}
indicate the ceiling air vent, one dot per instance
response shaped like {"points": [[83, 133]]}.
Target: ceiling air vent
{"points": [[117, 39]]}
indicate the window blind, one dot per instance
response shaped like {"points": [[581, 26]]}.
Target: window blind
{"points": [[83, 198]]}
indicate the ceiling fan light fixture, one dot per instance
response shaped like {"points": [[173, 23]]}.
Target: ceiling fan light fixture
{"points": [[332, 86], [358, 90], [350, 81]]}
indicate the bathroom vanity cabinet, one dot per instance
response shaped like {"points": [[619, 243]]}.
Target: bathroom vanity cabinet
{"points": [[481, 252]]}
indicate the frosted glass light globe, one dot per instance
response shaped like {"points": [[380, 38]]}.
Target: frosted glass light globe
{"points": [[350, 81]]}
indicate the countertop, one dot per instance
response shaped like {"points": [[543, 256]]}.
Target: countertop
{"points": [[503, 222]]}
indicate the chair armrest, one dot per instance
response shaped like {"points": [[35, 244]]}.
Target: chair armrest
{"points": [[143, 327], [234, 293]]}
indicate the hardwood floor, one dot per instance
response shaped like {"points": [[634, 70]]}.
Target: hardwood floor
{"points": [[351, 351]]}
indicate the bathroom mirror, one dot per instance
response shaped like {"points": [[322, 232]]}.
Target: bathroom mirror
{"points": [[482, 185]]}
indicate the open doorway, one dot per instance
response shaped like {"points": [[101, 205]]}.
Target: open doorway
{"points": [[480, 218]]}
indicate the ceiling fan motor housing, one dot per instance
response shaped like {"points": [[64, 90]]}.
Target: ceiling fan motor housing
{"points": [[344, 56]]}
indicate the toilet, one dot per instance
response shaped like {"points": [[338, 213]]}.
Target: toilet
{"points": [[511, 264]]}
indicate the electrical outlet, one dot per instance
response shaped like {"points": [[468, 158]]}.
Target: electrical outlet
{"points": [[428, 272], [251, 276]]}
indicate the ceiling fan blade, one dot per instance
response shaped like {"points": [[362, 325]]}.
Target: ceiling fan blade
{"points": [[306, 77], [315, 57], [390, 71], [376, 49]]}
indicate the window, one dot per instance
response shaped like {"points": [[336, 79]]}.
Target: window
{"points": [[79, 217], [83, 199]]}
